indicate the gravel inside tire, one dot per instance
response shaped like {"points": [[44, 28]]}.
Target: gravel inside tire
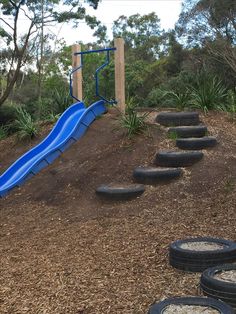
{"points": [[188, 131], [120, 192], [152, 175], [178, 118], [215, 305], [196, 143], [177, 159]]}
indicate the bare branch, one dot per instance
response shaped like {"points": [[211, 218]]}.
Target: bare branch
{"points": [[6, 23]]}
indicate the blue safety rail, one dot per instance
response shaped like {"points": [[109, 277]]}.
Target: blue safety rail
{"points": [[107, 50]]}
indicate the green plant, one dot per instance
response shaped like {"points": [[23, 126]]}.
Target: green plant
{"points": [[208, 93], [172, 136], [132, 121], [230, 106], [3, 132], [62, 100], [51, 117], [178, 99], [25, 126]]}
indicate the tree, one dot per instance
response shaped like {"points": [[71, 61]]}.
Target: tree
{"points": [[207, 19], [210, 24], [35, 17], [142, 34]]}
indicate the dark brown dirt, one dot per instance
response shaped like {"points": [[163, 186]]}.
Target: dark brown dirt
{"points": [[62, 250]]}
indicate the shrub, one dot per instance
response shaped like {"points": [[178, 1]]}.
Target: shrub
{"points": [[7, 114], [61, 100], [179, 100], [132, 121], [25, 126], [208, 92], [230, 105], [3, 132]]}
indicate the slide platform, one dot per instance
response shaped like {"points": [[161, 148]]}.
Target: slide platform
{"points": [[70, 127]]}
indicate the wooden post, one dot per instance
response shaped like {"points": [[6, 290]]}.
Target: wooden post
{"points": [[120, 73], [77, 76]]}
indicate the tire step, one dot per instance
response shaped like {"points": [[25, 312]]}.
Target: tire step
{"points": [[188, 131], [178, 118], [153, 175], [196, 143], [177, 159], [197, 302], [120, 192]]}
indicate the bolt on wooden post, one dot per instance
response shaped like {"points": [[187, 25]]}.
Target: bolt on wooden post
{"points": [[120, 73], [77, 76]]}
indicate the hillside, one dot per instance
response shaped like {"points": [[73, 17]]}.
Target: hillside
{"points": [[63, 250]]}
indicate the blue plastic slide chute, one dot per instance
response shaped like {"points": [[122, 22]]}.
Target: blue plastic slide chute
{"points": [[70, 127]]}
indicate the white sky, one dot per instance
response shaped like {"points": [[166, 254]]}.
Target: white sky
{"points": [[109, 10]]}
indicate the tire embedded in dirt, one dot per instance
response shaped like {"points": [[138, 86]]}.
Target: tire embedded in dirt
{"points": [[198, 254], [120, 192], [177, 159], [178, 118], [196, 143], [188, 131], [220, 282], [190, 305], [152, 175]]}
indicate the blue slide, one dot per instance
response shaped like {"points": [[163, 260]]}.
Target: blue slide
{"points": [[71, 126]]}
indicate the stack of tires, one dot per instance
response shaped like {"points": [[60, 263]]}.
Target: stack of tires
{"points": [[214, 258]]}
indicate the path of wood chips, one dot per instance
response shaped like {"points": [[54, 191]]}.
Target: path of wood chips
{"points": [[63, 251]]}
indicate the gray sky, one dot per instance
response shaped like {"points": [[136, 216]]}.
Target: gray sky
{"points": [[109, 10]]}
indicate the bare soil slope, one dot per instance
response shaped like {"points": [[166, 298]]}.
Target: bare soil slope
{"points": [[62, 250]]}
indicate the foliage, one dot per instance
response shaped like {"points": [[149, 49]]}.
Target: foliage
{"points": [[62, 100], [37, 15], [208, 92], [172, 136], [3, 132], [25, 126], [179, 100], [141, 33], [230, 105], [51, 117], [133, 122]]}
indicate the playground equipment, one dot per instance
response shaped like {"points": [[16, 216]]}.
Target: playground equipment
{"points": [[70, 127]]}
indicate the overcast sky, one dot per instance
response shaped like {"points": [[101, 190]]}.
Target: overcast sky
{"points": [[109, 10]]}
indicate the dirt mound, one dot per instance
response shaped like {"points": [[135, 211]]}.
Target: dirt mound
{"points": [[63, 250]]}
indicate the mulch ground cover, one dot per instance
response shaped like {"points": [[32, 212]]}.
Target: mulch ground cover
{"points": [[63, 250]]}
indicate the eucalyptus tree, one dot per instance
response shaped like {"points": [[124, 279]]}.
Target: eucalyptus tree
{"points": [[21, 23], [210, 24]]}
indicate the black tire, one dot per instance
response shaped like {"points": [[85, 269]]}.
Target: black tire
{"points": [[188, 131], [160, 307], [115, 192], [178, 118], [210, 282], [151, 175], [196, 143], [196, 260], [229, 298], [219, 289], [177, 159]]}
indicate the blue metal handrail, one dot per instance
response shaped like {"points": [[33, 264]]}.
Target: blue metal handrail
{"points": [[92, 51], [96, 73]]}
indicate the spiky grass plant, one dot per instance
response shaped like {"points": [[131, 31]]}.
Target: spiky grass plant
{"points": [[208, 93], [25, 126], [133, 122]]}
